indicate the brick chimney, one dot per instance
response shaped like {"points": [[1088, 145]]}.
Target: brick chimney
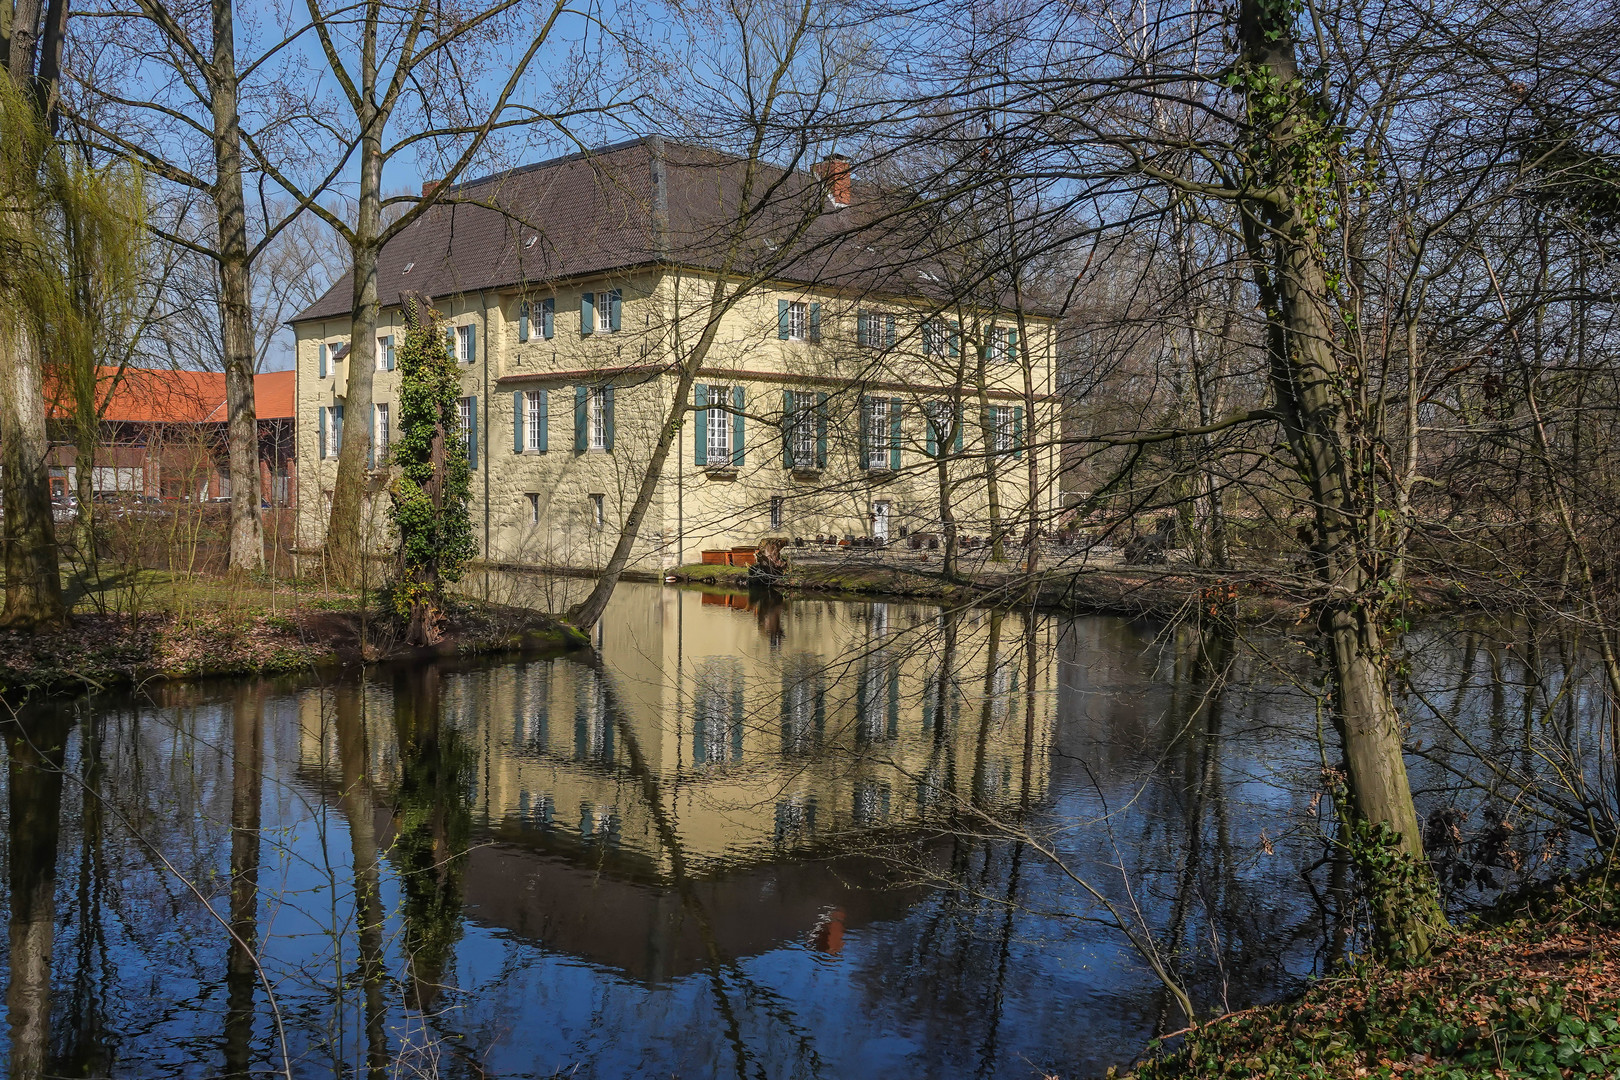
{"points": [[834, 173], [428, 186]]}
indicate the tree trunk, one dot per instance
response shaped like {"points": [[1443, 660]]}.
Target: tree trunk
{"points": [[998, 549], [345, 532], [1308, 383], [33, 575], [236, 311]]}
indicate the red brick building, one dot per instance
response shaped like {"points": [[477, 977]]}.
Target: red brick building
{"points": [[162, 436]]}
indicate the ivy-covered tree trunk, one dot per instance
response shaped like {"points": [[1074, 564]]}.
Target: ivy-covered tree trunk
{"points": [[431, 478], [1287, 218]]}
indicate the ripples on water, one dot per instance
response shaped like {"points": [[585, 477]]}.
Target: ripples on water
{"points": [[751, 841]]}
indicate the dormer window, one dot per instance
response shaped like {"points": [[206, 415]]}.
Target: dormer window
{"points": [[407, 268]]}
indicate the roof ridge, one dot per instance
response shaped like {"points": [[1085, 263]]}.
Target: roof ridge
{"points": [[562, 159]]}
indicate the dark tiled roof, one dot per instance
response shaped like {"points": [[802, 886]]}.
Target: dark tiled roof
{"points": [[624, 206]]}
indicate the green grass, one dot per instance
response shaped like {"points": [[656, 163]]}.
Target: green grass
{"points": [[161, 590]]}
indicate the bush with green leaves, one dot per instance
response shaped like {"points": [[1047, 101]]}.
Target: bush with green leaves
{"points": [[431, 478]]}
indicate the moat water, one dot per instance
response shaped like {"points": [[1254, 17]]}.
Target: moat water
{"points": [[749, 836]]}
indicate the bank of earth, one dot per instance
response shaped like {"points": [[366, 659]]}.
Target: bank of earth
{"points": [[103, 650], [1530, 989]]}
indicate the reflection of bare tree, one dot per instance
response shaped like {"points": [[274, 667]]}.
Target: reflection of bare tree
{"points": [[720, 967], [35, 742], [241, 967], [360, 807], [86, 1051], [433, 827]]}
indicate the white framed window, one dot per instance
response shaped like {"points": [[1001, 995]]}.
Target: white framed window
{"points": [[596, 417], [464, 417], [933, 335], [719, 426], [382, 433], [598, 510], [776, 511], [532, 420], [1002, 346], [465, 347], [1001, 423], [804, 434], [877, 433], [334, 431], [532, 499], [382, 353], [798, 321], [874, 329]]}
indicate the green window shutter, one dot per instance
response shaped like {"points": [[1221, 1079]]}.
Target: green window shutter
{"points": [[739, 400], [323, 359], [894, 434], [472, 344], [320, 426], [955, 340], [787, 429], [860, 329], [821, 431], [450, 343], [782, 319], [472, 433], [371, 439], [337, 429], [959, 427], [607, 418], [548, 317], [1018, 431], [615, 309], [1012, 344], [888, 332], [931, 442], [388, 348], [581, 418], [545, 417], [523, 321], [815, 324], [700, 429], [863, 443], [587, 313], [518, 402]]}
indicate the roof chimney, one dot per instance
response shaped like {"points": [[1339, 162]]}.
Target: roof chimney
{"points": [[428, 186], [834, 173]]}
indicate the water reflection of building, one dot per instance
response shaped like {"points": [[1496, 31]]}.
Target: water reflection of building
{"points": [[718, 743]]}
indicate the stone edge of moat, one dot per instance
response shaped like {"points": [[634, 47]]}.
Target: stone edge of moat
{"points": [[107, 651], [1260, 596]]}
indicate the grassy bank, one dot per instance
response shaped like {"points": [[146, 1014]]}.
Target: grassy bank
{"points": [[1531, 990], [189, 627]]}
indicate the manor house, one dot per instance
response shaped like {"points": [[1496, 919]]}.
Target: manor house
{"points": [[847, 386]]}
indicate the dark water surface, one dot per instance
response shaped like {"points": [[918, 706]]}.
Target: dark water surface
{"points": [[762, 838]]}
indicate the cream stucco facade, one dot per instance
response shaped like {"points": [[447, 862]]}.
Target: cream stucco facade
{"points": [[824, 427]]}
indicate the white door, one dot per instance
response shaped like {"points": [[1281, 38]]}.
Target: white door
{"points": [[880, 522]]}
